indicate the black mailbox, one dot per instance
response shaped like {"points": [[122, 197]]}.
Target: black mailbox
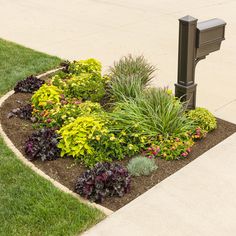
{"points": [[196, 41], [210, 34]]}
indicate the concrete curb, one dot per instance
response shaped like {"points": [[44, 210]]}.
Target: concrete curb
{"points": [[58, 185], [50, 72]]}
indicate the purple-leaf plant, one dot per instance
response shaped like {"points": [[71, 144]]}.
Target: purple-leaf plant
{"points": [[104, 180]]}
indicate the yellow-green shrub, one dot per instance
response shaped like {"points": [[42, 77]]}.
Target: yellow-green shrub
{"points": [[66, 113], [46, 97], [90, 65], [203, 118], [86, 86], [90, 139], [76, 138]]}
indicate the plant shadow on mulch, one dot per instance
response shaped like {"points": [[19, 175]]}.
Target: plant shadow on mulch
{"points": [[67, 170]]}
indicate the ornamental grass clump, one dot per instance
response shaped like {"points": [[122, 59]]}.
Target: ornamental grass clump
{"points": [[141, 165], [104, 180], [154, 112], [203, 118], [129, 76]]}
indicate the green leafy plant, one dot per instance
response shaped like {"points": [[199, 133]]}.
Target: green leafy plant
{"points": [[155, 112], [104, 180], [91, 66], [141, 165], [198, 133], [46, 98], [129, 76], [76, 139], [203, 118], [86, 86], [90, 139], [124, 87], [67, 111], [171, 148]]}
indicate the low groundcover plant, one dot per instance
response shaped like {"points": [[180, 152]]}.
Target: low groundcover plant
{"points": [[141, 165]]}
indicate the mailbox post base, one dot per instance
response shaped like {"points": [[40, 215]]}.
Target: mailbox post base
{"points": [[187, 94]]}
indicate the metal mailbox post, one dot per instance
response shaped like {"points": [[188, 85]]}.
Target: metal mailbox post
{"points": [[196, 41]]}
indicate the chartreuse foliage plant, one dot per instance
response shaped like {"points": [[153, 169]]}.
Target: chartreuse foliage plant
{"points": [[129, 76], [89, 139], [46, 98], [83, 80], [203, 118], [91, 66], [76, 139], [141, 165], [86, 86], [67, 111]]}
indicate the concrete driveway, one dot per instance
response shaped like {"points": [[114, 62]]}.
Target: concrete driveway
{"points": [[109, 29]]}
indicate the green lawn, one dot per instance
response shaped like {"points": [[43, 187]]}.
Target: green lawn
{"points": [[30, 205], [17, 62]]}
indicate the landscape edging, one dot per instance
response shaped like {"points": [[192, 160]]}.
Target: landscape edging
{"points": [[21, 157]]}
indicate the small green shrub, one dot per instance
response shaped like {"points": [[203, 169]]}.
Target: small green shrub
{"points": [[91, 66], [171, 148], [129, 76], [86, 87], [141, 165], [203, 118], [68, 111]]}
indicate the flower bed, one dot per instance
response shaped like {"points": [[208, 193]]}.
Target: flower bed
{"points": [[89, 119]]}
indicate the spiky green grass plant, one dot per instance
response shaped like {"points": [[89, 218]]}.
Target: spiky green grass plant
{"points": [[129, 76], [154, 112]]}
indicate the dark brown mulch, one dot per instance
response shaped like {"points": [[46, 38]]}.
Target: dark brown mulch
{"points": [[67, 170]]}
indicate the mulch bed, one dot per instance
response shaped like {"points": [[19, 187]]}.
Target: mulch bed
{"points": [[67, 170]]}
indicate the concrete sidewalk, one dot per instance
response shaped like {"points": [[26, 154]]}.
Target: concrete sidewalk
{"points": [[109, 29], [200, 198], [197, 200]]}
